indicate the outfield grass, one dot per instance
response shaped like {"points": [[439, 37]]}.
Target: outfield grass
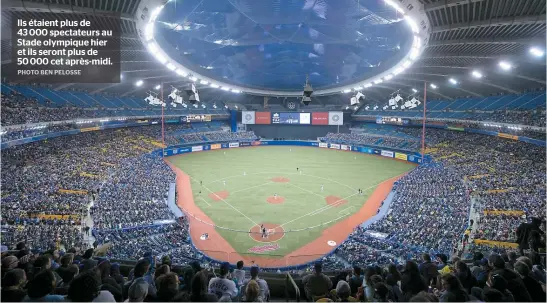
{"points": [[341, 174]]}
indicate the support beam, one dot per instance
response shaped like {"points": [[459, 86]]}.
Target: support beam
{"points": [[518, 20], [41, 7], [447, 3], [494, 40], [421, 81], [474, 80], [473, 67]]}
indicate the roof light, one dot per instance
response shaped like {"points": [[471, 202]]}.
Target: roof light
{"points": [[368, 85], [149, 31], [237, 91], [139, 83], [412, 24], [158, 86], [161, 58], [505, 65], [433, 86], [389, 77], [414, 90], [153, 48], [417, 42], [378, 81], [358, 88], [453, 81], [407, 63], [537, 52], [204, 82], [193, 78], [181, 73], [398, 70], [414, 52], [155, 13], [346, 91], [171, 66], [395, 6], [476, 74], [213, 85], [225, 88]]}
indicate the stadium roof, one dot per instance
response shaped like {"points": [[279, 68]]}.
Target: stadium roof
{"points": [[224, 41]]}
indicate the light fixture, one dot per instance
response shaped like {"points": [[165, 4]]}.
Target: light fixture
{"points": [[139, 83], [358, 88], [204, 82], [225, 88], [213, 85], [453, 81], [346, 91], [476, 74], [181, 73], [505, 65], [237, 91], [121, 76], [414, 53], [378, 81], [153, 48], [433, 86], [161, 58], [388, 77], [158, 86], [398, 70], [368, 85], [414, 90], [537, 52], [171, 66], [194, 79]]}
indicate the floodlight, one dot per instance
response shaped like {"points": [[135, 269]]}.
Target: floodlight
{"points": [[433, 86], [505, 65], [139, 83], [537, 52], [476, 74]]}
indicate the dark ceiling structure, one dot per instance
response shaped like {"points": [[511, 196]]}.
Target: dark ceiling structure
{"points": [[354, 40]]}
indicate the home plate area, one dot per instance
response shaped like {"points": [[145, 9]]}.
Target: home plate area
{"points": [[274, 232]]}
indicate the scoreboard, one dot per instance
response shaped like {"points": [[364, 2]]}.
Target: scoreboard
{"points": [[294, 118], [195, 118], [392, 120]]}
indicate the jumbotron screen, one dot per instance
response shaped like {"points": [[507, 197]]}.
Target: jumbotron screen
{"points": [[196, 118], [314, 118], [392, 120]]}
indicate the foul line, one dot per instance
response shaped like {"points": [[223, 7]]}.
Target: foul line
{"points": [[321, 209], [309, 191], [205, 201], [227, 203]]}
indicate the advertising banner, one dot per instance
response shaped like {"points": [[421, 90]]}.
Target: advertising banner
{"points": [[387, 153], [255, 143], [216, 146], [89, 129], [335, 146], [305, 118], [508, 136], [245, 144], [263, 118], [206, 147], [184, 150], [248, 117], [401, 156], [336, 118], [318, 118], [323, 145], [234, 144], [345, 147], [225, 145], [197, 148], [285, 118]]}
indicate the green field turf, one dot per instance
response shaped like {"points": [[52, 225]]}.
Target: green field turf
{"points": [[341, 174]]}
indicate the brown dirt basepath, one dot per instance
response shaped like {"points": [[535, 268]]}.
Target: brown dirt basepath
{"points": [[218, 248], [335, 201]]}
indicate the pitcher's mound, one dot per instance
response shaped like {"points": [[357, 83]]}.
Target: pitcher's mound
{"points": [[280, 179], [274, 232], [219, 195], [335, 201], [275, 200]]}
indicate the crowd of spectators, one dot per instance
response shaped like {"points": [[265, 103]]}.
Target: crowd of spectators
{"points": [[371, 139]]}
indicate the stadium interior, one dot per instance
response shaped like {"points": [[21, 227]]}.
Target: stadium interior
{"points": [[399, 145]]}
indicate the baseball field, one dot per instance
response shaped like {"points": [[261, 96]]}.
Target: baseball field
{"points": [[238, 190]]}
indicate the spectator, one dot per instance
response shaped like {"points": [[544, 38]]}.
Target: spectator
{"points": [[355, 279], [168, 288], [252, 292], [464, 275], [138, 290], [86, 288], [263, 285], [317, 284], [412, 282], [343, 292], [534, 287], [428, 269], [239, 273], [12, 285], [41, 288], [199, 288], [514, 282], [453, 291], [142, 269], [222, 286]]}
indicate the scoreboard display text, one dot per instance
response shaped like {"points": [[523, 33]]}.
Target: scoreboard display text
{"points": [[195, 118], [392, 120]]}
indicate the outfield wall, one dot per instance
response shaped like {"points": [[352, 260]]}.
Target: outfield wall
{"points": [[384, 152]]}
